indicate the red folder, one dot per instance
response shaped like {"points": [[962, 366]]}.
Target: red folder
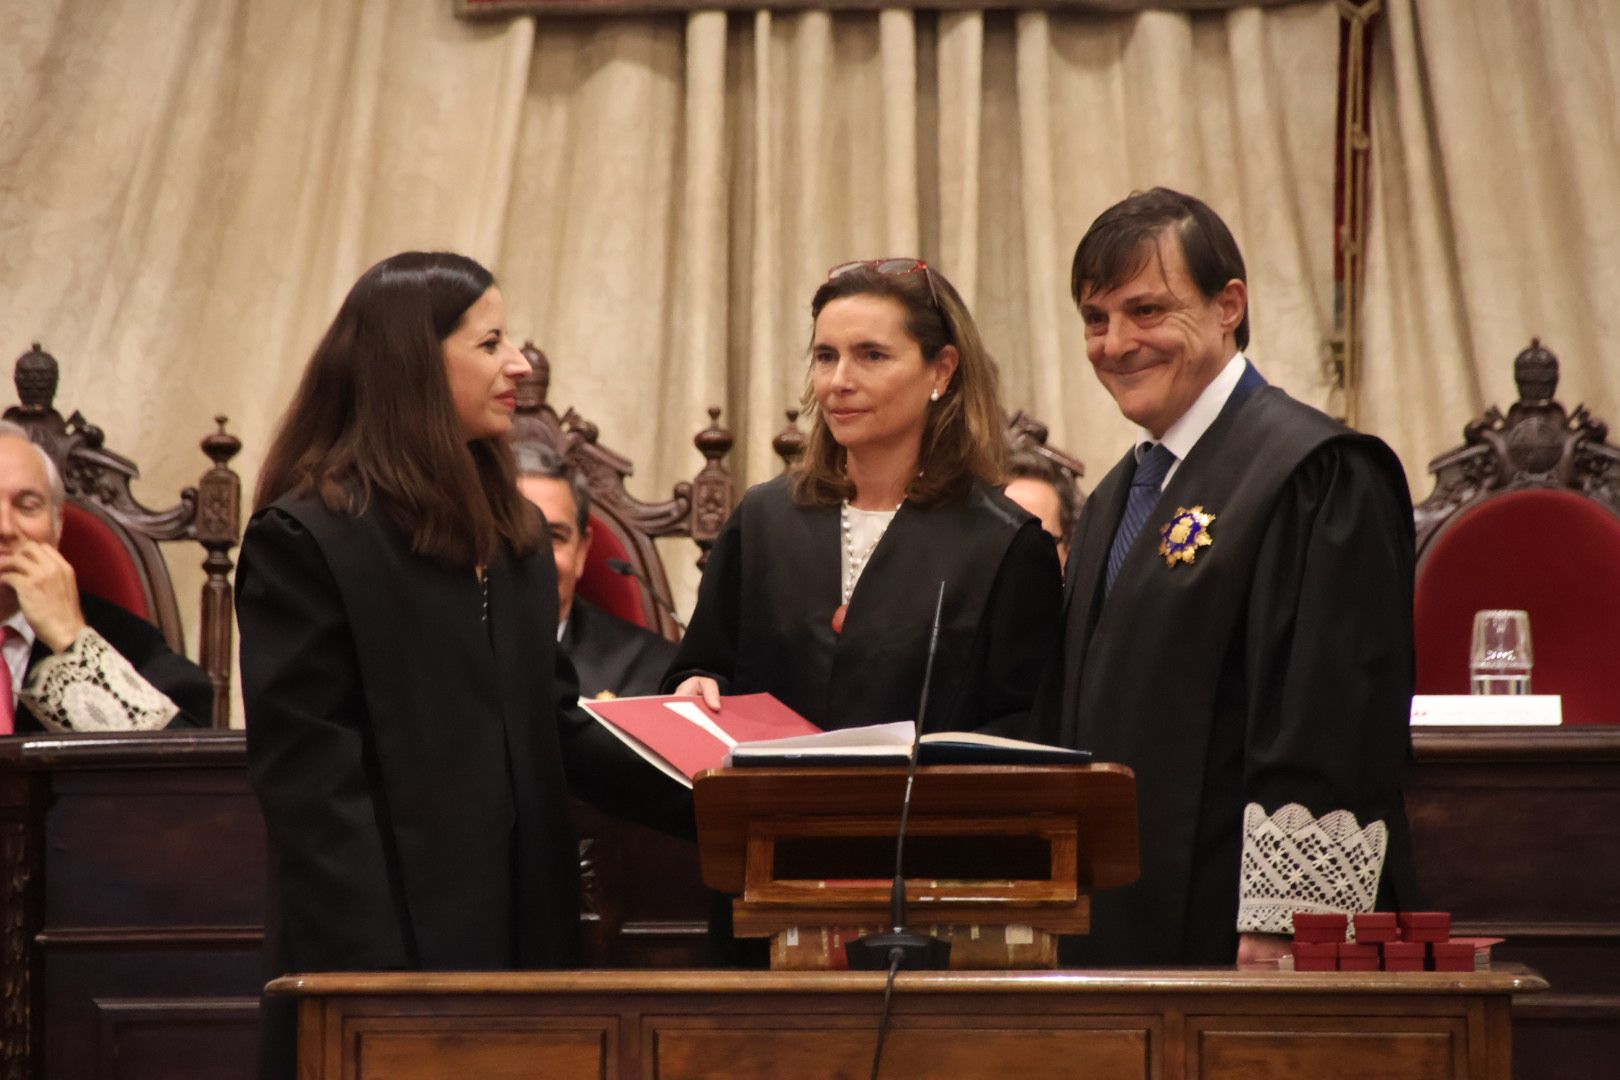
{"points": [[684, 737]]}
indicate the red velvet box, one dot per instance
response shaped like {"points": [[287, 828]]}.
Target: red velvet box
{"points": [[1404, 955], [1354, 956], [1317, 929], [1376, 927], [1425, 925], [1451, 955], [1316, 956]]}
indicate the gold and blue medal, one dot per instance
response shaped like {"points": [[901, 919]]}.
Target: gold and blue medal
{"points": [[1185, 533]]}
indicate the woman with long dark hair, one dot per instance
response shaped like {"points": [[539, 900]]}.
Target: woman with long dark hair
{"points": [[409, 739], [821, 587]]}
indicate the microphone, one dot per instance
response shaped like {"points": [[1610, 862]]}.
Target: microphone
{"points": [[620, 566], [900, 947]]}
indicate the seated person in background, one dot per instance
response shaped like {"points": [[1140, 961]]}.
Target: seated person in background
{"points": [[1047, 492], [821, 587], [612, 657], [76, 663]]}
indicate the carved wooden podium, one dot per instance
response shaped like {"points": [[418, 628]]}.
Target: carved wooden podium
{"points": [[998, 858]]}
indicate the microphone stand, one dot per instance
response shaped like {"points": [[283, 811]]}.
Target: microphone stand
{"points": [[900, 947], [620, 566]]}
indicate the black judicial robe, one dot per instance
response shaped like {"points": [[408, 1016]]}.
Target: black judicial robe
{"points": [[414, 762], [764, 613], [1276, 668], [612, 655]]}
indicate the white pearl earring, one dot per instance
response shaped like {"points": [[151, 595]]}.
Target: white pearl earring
{"points": [[934, 396]]}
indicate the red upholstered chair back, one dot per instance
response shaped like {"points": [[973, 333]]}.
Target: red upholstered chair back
{"points": [[623, 526], [613, 592], [1550, 552], [1525, 514], [106, 561]]}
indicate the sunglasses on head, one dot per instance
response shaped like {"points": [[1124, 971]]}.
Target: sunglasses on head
{"points": [[897, 267]]}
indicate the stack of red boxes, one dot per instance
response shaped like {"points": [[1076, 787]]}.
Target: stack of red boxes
{"points": [[1385, 941]]}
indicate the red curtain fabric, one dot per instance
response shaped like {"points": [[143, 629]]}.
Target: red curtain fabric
{"points": [[1552, 553]]}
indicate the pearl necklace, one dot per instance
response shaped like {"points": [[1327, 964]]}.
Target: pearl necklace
{"points": [[855, 563]]}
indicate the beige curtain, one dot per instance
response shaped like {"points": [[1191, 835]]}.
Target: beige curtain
{"points": [[1495, 212], [187, 189]]}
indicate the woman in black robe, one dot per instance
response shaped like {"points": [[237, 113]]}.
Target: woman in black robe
{"points": [[821, 588], [410, 726]]}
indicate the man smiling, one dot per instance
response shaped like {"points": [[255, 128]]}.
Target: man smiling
{"points": [[1238, 614]]}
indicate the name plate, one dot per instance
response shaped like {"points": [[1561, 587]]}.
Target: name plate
{"points": [[1487, 710]]}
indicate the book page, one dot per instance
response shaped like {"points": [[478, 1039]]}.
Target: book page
{"points": [[878, 736]]}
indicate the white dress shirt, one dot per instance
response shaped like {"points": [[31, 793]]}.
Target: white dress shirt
{"points": [[18, 647], [1184, 434]]}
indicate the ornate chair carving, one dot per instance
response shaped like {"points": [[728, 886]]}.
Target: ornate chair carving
{"points": [[112, 540], [624, 527], [1525, 514]]}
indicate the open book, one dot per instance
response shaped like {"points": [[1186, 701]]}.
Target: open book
{"points": [[682, 738]]}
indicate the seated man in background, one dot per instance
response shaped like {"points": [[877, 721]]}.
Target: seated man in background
{"points": [[76, 662], [1048, 492], [611, 656]]}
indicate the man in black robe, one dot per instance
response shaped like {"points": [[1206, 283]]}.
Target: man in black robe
{"points": [[1238, 615], [610, 656]]}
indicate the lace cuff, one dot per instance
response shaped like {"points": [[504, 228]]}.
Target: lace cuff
{"points": [[1295, 862], [90, 686]]}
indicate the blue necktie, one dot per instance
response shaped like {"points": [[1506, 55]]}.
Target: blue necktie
{"points": [[1149, 475]]}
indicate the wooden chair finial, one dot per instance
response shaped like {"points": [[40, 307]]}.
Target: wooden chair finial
{"points": [[789, 443], [36, 376]]}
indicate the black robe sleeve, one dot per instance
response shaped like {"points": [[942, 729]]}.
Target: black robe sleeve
{"points": [[143, 645], [1329, 653], [609, 775], [1021, 624], [709, 646], [311, 759]]}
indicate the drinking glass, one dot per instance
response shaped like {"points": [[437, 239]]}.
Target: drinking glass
{"points": [[1501, 658]]}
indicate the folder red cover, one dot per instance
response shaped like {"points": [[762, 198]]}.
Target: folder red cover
{"points": [[683, 737]]}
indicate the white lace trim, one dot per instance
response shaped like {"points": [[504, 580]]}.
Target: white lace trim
{"points": [[1293, 861], [90, 686]]}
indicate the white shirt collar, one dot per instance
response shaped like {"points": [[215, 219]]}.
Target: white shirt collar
{"points": [[1185, 432]]}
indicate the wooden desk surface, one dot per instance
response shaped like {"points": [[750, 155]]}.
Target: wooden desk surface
{"points": [[1508, 979], [1212, 1024]]}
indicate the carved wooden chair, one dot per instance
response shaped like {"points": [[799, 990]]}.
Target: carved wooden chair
{"points": [[112, 541], [1525, 514], [618, 915], [623, 527]]}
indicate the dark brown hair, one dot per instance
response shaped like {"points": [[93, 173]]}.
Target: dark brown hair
{"points": [[1024, 464], [373, 419], [548, 463], [1126, 235], [962, 436]]}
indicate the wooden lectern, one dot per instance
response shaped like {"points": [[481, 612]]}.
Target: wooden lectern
{"points": [[998, 857]]}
